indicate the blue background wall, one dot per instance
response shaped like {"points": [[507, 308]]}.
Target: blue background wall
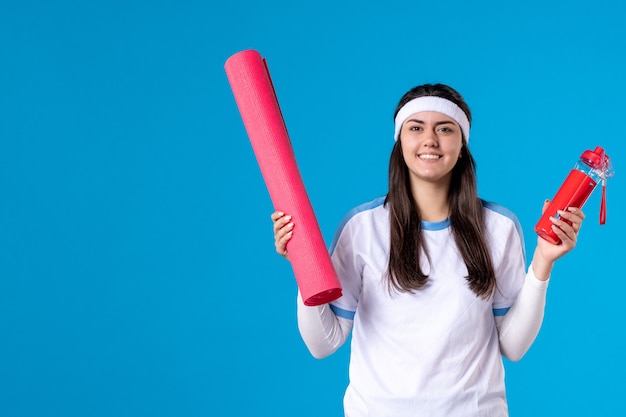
{"points": [[137, 270]]}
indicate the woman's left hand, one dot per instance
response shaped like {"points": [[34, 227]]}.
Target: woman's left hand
{"points": [[545, 252], [568, 233]]}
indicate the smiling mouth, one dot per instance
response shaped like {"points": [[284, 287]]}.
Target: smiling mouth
{"points": [[429, 156]]}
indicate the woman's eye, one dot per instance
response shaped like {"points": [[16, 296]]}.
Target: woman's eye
{"points": [[415, 128], [445, 129]]}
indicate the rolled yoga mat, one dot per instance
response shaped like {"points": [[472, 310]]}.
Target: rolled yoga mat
{"points": [[254, 93]]}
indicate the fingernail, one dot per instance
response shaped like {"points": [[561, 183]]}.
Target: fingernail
{"points": [[280, 213], [288, 218], [289, 225]]}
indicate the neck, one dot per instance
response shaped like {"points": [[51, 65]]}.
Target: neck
{"points": [[431, 201]]}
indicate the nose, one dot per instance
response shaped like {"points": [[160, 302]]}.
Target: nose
{"points": [[430, 138]]}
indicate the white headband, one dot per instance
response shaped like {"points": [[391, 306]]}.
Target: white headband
{"points": [[436, 104]]}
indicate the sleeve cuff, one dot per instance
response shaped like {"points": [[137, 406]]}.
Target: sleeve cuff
{"points": [[533, 281]]}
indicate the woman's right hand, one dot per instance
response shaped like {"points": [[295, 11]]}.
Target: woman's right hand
{"points": [[283, 230]]}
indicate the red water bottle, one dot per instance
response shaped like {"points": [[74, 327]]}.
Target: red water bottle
{"points": [[592, 167]]}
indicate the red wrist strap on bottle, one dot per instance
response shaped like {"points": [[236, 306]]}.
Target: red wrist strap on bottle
{"points": [[603, 203]]}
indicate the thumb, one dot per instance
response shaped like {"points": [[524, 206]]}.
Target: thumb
{"points": [[546, 203]]}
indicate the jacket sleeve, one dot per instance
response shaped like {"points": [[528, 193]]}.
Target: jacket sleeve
{"points": [[519, 327], [322, 331]]}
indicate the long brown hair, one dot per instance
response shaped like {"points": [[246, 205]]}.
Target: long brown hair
{"points": [[466, 214]]}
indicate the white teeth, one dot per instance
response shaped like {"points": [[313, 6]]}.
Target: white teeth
{"points": [[428, 156]]}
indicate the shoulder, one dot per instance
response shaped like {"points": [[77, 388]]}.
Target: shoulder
{"points": [[495, 213], [371, 208], [366, 216], [502, 224], [490, 206]]}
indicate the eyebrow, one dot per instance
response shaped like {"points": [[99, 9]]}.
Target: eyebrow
{"points": [[441, 122]]}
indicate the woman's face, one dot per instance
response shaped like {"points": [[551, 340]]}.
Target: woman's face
{"points": [[431, 146]]}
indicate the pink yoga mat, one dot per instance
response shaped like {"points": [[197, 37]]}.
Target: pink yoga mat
{"points": [[255, 96]]}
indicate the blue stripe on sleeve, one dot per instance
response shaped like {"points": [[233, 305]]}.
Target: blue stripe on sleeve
{"points": [[498, 312], [340, 312]]}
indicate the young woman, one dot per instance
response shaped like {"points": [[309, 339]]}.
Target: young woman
{"points": [[435, 287]]}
